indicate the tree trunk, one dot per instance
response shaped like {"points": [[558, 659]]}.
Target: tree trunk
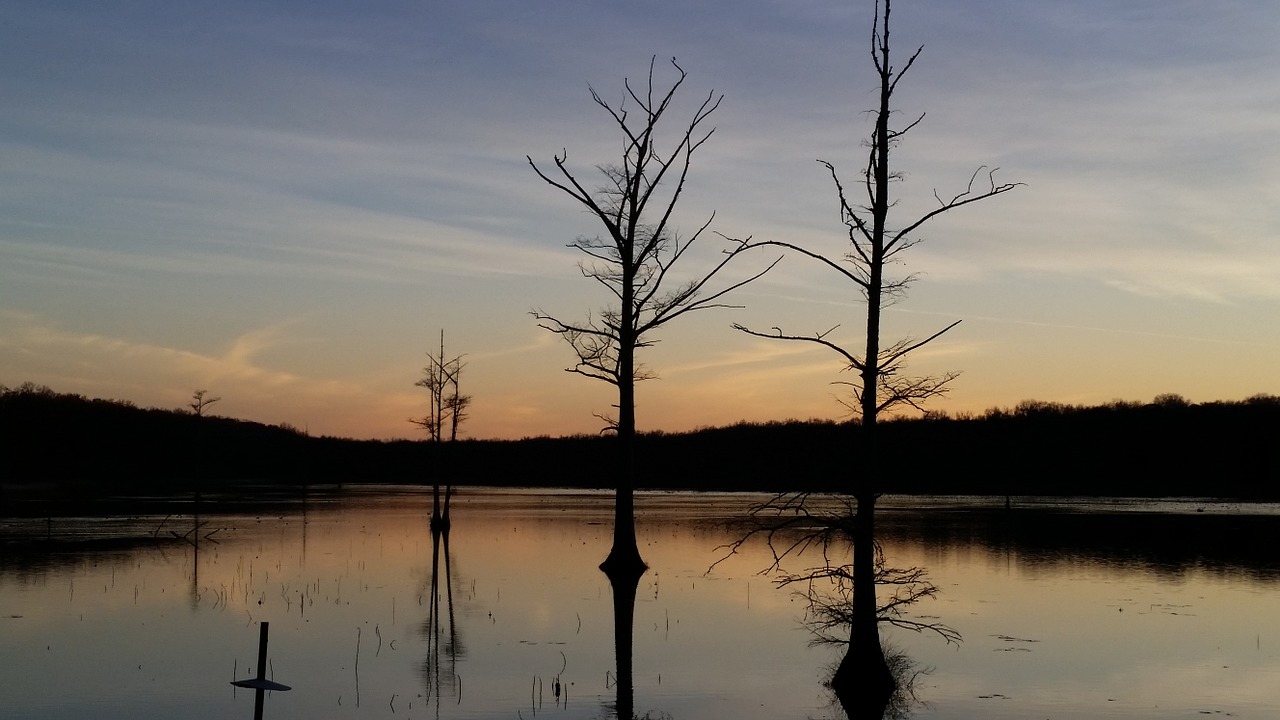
{"points": [[863, 679], [624, 556]]}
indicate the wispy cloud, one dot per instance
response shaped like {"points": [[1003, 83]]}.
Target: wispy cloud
{"points": [[170, 172], [35, 349]]}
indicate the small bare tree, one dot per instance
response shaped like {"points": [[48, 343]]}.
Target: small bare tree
{"points": [[200, 401], [633, 261], [881, 385], [446, 406], [457, 407]]}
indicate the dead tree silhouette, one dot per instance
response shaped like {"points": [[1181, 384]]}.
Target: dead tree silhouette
{"points": [[633, 260]]}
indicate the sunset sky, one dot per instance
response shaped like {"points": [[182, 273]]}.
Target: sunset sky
{"points": [[285, 202]]}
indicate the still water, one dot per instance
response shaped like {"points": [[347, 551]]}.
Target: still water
{"points": [[1067, 610]]}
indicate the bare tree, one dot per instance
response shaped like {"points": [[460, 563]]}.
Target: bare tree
{"points": [[457, 405], [632, 260], [199, 402], [881, 385], [446, 406]]}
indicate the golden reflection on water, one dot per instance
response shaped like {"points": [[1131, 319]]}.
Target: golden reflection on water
{"points": [[1094, 636], [158, 629]]}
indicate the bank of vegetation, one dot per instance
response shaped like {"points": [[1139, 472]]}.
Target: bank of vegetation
{"points": [[1168, 447]]}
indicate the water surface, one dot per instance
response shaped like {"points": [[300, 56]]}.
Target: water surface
{"points": [[1101, 610]]}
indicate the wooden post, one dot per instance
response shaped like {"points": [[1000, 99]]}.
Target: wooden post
{"points": [[262, 650], [260, 684]]}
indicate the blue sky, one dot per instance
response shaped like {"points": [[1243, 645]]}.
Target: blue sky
{"points": [[285, 202]]}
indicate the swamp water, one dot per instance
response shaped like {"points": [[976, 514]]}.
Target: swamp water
{"points": [[1068, 610]]}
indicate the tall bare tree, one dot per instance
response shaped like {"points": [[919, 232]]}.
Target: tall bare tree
{"points": [[632, 260], [874, 243]]}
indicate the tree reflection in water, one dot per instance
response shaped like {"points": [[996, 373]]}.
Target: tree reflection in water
{"points": [[871, 705], [832, 612], [444, 647], [844, 602], [624, 581]]}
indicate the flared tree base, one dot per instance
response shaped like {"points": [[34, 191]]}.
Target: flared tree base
{"points": [[624, 563], [863, 683]]}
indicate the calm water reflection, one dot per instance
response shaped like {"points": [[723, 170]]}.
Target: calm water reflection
{"points": [[1102, 611]]}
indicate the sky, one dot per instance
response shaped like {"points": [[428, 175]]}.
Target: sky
{"points": [[286, 202]]}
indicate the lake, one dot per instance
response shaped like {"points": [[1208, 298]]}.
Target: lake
{"points": [[1068, 609]]}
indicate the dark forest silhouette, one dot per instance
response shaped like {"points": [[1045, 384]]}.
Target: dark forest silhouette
{"points": [[1166, 448]]}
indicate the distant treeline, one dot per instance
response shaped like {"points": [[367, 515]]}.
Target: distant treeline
{"points": [[1165, 448]]}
